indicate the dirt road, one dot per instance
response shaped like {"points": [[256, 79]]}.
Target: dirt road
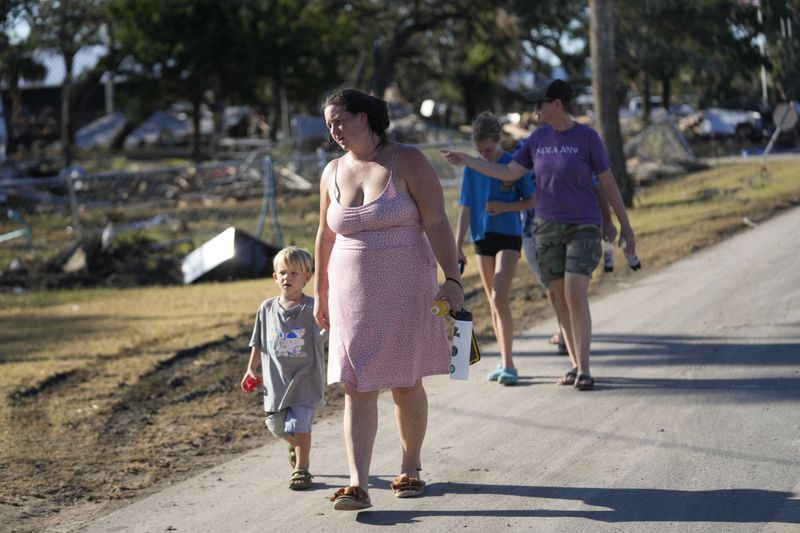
{"points": [[694, 424]]}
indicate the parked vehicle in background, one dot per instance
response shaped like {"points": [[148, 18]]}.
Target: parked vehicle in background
{"points": [[721, 122], [636, 104], [681, 110]]}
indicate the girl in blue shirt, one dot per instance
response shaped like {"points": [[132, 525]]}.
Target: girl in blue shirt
{"points": [[490, 209]]}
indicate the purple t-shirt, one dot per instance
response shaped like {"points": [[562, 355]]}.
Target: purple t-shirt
{"points": [[563, 163]]}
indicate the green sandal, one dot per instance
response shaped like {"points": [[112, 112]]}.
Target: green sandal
{"points": [[300, 480]]}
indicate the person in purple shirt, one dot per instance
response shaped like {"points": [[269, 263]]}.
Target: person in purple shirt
{"points": [[564, 155]]}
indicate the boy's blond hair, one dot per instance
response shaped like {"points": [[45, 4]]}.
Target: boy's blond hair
{"points": [[295, 258]]}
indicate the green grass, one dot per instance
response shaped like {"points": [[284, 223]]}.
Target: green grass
{"points": [[676, 217]]}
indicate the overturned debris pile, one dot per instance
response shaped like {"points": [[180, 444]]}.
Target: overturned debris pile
{"points": [[660, 150], [130, 262]]}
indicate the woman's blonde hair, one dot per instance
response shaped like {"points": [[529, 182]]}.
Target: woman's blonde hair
{"points": [[295, 258], [487, 126]]}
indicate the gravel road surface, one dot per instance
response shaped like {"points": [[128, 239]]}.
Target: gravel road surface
{"points": [[694, 424]]}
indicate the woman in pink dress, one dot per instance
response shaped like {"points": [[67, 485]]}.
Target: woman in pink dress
{"points": [[382, 231]]}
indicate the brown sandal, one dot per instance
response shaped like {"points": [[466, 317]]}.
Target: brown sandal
{"points": [[407, 486], [350, 499]]}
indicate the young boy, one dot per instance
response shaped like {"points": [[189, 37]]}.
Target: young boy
{"points": [[289, 346]]}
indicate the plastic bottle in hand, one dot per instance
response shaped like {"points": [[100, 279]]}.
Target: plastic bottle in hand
{"points": [[608, 256], [633, 259]]}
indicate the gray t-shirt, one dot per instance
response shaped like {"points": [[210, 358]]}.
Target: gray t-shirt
{"points": [[292, 349]]}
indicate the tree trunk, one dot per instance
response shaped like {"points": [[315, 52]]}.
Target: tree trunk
{"points": [[277, 111], [357, 75], [196, 110], [388, 58], [601, 33], [14, 118], [66, 108], [666, 92], [218, 133], [286, 119]]}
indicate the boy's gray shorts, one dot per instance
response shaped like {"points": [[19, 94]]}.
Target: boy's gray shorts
{"points": [[296, 419]]}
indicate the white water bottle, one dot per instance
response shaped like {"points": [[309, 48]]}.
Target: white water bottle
{"points": [[608, 251], [462, 343], [633, 259]]}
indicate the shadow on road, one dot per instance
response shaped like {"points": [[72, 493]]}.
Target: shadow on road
{"points": [[619, 505], [676, 350], [682, 350]]}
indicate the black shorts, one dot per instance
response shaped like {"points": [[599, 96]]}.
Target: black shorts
{"points": [[492, 243]]}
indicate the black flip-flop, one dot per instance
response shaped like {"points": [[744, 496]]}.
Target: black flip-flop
{"points": [[569, 378], [587, 382]]}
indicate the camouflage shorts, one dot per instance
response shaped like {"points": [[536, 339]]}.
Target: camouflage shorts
{"points": [[560, 247]]}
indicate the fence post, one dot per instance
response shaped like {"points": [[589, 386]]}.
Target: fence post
{"points": [[25, 232], [322, 159], [71, 174], [269, 203]]}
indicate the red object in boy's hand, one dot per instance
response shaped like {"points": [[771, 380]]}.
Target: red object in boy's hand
{"points": [[251, 383]]}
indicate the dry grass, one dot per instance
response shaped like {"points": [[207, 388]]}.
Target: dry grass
{"points": [[106, 394]]}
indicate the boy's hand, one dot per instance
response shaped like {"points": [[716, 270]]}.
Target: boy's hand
{"points": [[249, 381]]}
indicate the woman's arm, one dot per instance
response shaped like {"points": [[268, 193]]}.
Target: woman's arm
{"points": [[426, 190], [510, 171], [322, 249]]}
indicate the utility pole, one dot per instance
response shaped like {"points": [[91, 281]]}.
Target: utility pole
{"points": [[786, 33], [762, 46]]}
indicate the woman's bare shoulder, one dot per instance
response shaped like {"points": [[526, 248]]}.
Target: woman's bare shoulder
{"points": [[406, 150], [409, 157], [330, 170]]}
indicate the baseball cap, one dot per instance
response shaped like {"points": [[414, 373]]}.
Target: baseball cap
{"points": [[551, 90]]}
